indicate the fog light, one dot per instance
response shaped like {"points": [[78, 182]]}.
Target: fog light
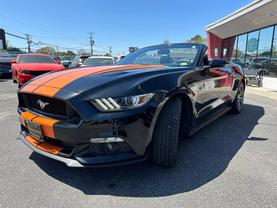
{"points": [[109, 147], [106, 140]]}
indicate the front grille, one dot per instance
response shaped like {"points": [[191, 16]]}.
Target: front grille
{"points": [[50, 107], [37, 73], [47, 105]]}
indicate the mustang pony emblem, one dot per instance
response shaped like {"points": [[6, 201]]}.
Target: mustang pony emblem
{"points": [[42, 104]]}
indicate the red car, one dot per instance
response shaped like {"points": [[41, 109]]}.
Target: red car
{"points": [[28, 66]]}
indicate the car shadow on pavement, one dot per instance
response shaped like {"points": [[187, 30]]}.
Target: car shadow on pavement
{"points": [[202, 158]]}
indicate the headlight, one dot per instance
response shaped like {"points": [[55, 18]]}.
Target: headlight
{"points": [[121, 103], [25, 72]]}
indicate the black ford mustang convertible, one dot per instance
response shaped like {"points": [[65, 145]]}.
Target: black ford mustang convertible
{"points": [[137, 109]]}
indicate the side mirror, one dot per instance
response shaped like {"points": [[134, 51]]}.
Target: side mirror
{"points": [[13, 61], [218, 63]]}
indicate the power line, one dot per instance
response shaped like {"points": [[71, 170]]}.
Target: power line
{"points": [[30, 42], [17, 21], [28, 38], [17, 36], [59, 37]]}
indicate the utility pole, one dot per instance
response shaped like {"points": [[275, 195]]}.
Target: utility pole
{"points": [[91, 42], [110, 50], [29, 41]]}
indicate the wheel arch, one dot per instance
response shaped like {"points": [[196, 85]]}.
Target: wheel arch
{"points": [[187, 113]]}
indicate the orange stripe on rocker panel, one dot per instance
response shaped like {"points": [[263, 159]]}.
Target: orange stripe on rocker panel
{"points": [[46, 126]]}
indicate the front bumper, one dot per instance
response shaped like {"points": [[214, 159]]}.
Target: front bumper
{"points": [[79, 161], [23, 78], [72, 143]]}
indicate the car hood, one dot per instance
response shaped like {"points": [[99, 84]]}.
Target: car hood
{"points": [[82, 79], [41, 66]]}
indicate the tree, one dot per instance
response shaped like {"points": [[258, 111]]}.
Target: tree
{"points": [[197, 39], [166, 41], [15, 49], [46, 50], [12, 48], [70, 53]]}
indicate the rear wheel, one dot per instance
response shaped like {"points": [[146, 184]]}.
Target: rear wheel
{"points": [[238, 102], [166, 134]]}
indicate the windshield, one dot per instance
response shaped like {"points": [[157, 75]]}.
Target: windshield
{"points": [[169, 55], [98, 62], [36, 59]]}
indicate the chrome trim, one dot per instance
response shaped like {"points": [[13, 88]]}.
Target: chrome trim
{"points": [[113, 102], [109, 105], [69, 162], [99, 102]]}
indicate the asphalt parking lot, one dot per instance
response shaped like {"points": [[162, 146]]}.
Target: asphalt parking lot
{"points": [[229, 163]]}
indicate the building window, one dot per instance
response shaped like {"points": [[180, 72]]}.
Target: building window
{"points": [[241, 48], [272, 71], [252, 47], [262, 61]]}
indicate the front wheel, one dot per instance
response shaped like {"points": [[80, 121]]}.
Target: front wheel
{"points": [[238, 102], [14, 79], [166, 134]]}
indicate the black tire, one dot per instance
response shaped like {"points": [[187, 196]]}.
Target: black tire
{"points": [[238, 102], [260, 83], [166, 134], [14, 79]]}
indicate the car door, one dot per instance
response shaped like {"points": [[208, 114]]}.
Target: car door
{"points": [[217, 89], [211, 88]]}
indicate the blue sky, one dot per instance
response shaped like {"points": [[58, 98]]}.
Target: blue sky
{"points": [[119, 24]]}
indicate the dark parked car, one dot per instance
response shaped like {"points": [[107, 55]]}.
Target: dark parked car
{"points": [[124, 113], [5, 66]]}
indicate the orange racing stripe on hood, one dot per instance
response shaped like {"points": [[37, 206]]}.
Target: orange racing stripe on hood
{"points": [[51, 87], [47, 78]]}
